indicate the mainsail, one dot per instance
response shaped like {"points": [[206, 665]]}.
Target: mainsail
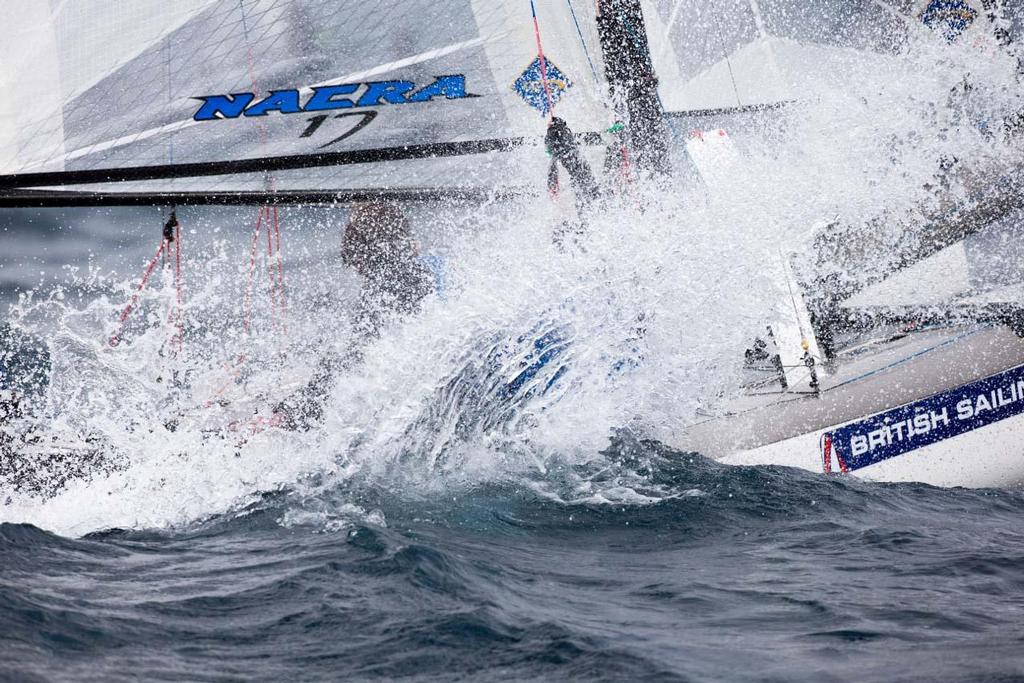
{"points": [[214, 96], [319, 100]]}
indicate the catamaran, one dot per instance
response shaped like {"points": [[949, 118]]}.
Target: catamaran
{"points": [[309, 102]]}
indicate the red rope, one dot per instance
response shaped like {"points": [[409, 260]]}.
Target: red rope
{"points": [[262, 133], [179, 313], [543, 63], [276, 283], [252, 272], [257, 425], [626, 176], [280, 270], [275, 268], [270, 270], [626, 169], [250, 62], [115, 340]]}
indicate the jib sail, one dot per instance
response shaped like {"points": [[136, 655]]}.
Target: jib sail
{"points": [[743, 54]]}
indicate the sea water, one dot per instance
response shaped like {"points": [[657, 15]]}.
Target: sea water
{"points": [[430, 531]]}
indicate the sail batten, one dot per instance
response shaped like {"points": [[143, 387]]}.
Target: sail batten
{"points": [[52, 198], [257, 164]]}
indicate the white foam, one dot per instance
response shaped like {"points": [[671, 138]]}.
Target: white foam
{"points": [[690, 271]]}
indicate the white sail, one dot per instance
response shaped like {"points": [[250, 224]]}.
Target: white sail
{"points": [[717, 159], [769, 70], [984, 268], [568, 38], [743, 53], [127, 84], [30, 69]]}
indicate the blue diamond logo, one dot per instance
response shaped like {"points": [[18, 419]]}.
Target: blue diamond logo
{"points": [[949, 17], [530, 85]]}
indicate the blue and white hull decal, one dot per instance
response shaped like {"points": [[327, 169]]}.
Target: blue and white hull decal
{"points": [[923, 423]]}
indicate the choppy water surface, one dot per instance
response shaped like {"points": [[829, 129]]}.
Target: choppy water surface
{"points": [[422, 533], [741, 574]]}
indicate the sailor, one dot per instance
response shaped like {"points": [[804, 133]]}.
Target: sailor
{"points": [[379, 246], [982, 26], [565, 152]]}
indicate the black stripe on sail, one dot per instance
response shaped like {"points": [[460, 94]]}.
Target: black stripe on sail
{"points": [[257, 165], [55, 198], [726, 111], [268, 164]]}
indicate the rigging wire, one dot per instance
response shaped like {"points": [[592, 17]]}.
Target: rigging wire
{"points": [[267, 219], [179, 312], [266, 214], [280, 270], [586, 51], [115, 339], [728, 64], [167, 70]]}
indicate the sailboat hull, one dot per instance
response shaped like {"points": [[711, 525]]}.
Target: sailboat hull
{"points": [[944, 407], [988, 457]]}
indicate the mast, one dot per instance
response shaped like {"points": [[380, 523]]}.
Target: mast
{"points": [[633, 82]]}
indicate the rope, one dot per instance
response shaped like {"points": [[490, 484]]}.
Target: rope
{"points": [[626, 168], [280, 270], [276, 283], [171, 233], [269, 218], [579, 31], [250, 61], [115, 339], [543, 62], [179, 313], [270, 270], [252, 272], [792, 296]]}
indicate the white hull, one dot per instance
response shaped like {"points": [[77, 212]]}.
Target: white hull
{"points": [[989, 457], [964, 389]]}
